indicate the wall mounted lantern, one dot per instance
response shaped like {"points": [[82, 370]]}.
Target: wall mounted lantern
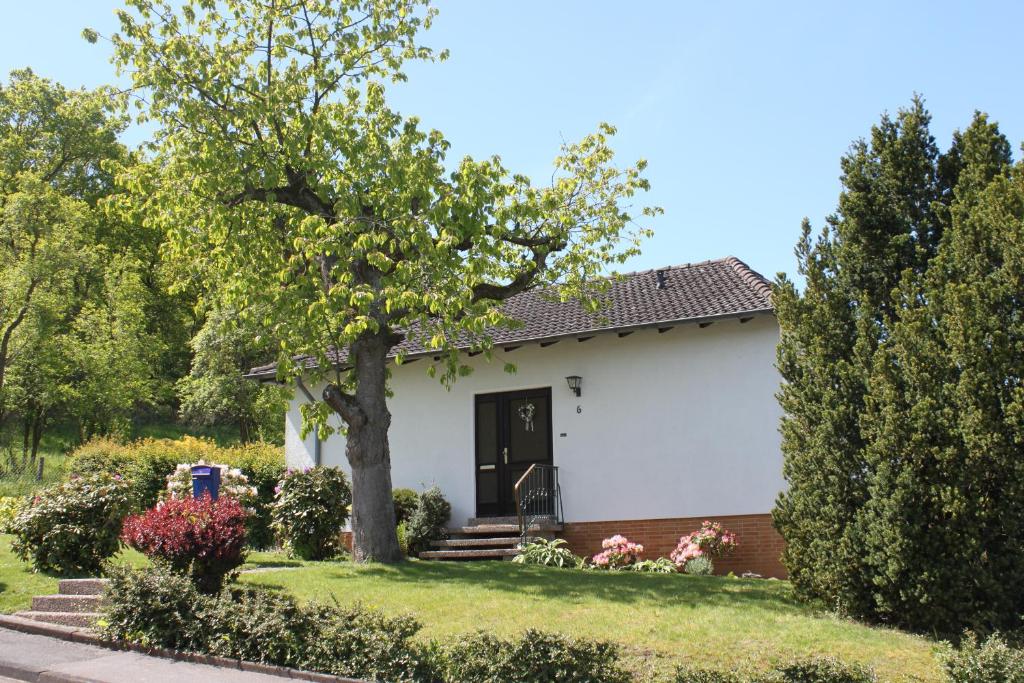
{"points": [[575, 382]]}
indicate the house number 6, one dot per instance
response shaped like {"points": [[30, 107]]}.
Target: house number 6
{"points": [[579, 409]]}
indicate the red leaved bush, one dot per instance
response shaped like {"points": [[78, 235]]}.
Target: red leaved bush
{"points": [[201, 537]]}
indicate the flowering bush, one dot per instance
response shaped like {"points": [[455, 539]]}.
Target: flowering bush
{"points": [[310, 511], [618, 552], [10, 506], [710, 541], [233, 484], [73, 527], [203, 538]]}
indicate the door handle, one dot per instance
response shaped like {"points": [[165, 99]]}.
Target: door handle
{"points": [[504, 452]]}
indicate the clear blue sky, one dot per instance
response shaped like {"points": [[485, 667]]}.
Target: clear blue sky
{"points": [[742, 108]]}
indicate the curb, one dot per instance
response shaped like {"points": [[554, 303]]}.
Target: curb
{"points": [[88, 637]]}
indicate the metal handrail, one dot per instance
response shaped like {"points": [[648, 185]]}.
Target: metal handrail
{"points": [[537, 494]]}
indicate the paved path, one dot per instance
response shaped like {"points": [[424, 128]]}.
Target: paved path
{"points": [[27, 657]]}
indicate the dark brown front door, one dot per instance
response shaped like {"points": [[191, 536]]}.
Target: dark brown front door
{"points": [[513, 431]]}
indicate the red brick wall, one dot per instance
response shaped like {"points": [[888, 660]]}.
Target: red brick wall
{"points": [[759, 544]]}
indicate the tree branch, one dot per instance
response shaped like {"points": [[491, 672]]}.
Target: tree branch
{"points": [[345, 405]]}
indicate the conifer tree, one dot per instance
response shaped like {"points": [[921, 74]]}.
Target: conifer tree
{"points": [[942, 525], [885, 224]]}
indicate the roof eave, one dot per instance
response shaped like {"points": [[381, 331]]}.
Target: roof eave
{"points": [[271, 375]]}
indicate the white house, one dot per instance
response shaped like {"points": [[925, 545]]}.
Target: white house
{"points": [[658, 413]]}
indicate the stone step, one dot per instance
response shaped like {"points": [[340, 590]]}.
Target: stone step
{"points": [[66, 603], [475, 554], [505, 541], [83, 586], [497, 529], [80, 619]]}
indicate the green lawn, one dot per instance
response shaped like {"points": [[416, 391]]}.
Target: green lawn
{"points": [[660, 620], [18, 583]]}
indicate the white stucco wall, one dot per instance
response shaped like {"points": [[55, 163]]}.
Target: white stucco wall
{"points": [[677, 424]]}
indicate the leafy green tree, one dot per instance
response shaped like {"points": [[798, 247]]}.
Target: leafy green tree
{"points": [[281, 170], [216, 392], [885, 225]]}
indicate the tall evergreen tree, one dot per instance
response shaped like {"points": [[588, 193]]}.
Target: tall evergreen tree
{"points": [[942, 526], [885, 224]]}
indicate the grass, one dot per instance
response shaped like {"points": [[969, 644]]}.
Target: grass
{"points": [[660, 620], [18, 583]]}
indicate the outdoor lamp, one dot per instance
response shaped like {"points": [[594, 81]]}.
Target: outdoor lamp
{"points": [[575, 382]]}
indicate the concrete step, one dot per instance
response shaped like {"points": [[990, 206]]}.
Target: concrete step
{"points": [[475, 554], [66, 603], [498, 529], [79, 619], [505, 541], [83, 586], [474, 521]]}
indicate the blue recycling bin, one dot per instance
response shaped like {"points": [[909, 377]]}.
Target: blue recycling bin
{"points": [[205, 480]]}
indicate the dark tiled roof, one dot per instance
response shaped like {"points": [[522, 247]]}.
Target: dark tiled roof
{"points": [[695, 291]]}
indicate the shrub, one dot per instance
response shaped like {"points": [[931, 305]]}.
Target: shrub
{"points": [[822, 670], [992, 661], [155, 607], [72, 527], [547, 553], [662, 565], [233, 484], [99, 456], [403, 537], [429, 521], [10, 506], [689, 675], [618, 552], [816, 670], [406, 501], [534, 656], [709, 540], [310, 511], [202, 538], [158, 608], [702, 565], [148, 462]]}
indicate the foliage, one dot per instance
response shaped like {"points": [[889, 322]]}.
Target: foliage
{"points": [[661, 565], [73, 527], [402, 532], [310, 511], [233, 484], [200, 537], [709, 540], [406, 501], [147, 463], [699, 565], [10, 506], [549, 553], [988, 661], [534, 656], [428, 521], [216, 392], [381, 238], [901, 359], [619, 552], [815, 670], [157, 608]]}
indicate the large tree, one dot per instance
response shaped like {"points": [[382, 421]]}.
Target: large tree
{"points": [[280, 168], [885, 224]]}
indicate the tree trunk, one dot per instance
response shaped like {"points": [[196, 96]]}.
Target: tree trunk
{"points": [[368, 419]]}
